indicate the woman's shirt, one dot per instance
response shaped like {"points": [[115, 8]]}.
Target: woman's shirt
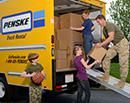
{"points": [[81, 71]]}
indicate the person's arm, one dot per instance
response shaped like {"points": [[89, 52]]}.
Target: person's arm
{"points": [[87, 61], [77, 29], [85, 64], [27, 75], [93, 28], [107, 41]]}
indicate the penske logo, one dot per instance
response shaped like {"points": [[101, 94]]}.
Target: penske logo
{"points": [[17, 23]]}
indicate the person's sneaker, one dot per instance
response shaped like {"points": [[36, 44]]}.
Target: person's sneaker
{"points": [[120, 84]]}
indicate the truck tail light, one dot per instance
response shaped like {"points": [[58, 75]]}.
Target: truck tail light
{"points": [[52, 39]]}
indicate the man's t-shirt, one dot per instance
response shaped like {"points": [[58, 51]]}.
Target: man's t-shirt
{"points": [[110, 27], [87, 26], [81, 71], [33, 68]]}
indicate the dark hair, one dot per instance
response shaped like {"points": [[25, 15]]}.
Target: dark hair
{"points": [[86, 11], [76, 48], [100, 17], [30, 60], [32, 56]]}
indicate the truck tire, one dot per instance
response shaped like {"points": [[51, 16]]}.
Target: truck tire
{"points": [[3, 90]]}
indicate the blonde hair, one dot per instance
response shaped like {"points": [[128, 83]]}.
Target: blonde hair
{"points": [[76, 48], [86, 12]]}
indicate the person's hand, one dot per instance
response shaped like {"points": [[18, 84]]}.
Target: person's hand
{"points": [[23, 74], [72, 28], [97, 61], [98, 45], [33, 74]]}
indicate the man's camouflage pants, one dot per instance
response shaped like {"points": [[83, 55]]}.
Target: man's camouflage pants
{"points": [[122, 49], [35, 94]]}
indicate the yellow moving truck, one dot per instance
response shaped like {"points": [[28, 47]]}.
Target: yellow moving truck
{"points": [[27, 26]]}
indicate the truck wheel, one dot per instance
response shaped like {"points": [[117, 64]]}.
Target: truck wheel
{"points": [[3, 90]]}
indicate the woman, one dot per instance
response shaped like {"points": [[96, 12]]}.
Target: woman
{"points": [[83, 83]]}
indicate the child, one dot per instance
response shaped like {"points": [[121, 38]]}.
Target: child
{"points": [[81, 66], [35, 91], [86, 28]]}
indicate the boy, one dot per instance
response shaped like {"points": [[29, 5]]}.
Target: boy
{"points": [[86, 28], [35, 91]]}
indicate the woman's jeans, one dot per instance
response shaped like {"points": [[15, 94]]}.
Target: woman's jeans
{"points": [[83, 87]]}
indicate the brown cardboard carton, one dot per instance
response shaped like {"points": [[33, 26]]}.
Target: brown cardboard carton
{"points": [[70, 61], [61, 44], [61, 63], [61, 54], [70, 19], [66, 38], [56, 23], [97, 53], [66, 56]]}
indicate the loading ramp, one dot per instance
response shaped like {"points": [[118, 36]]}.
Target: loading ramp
{"points": [[93, 74]]}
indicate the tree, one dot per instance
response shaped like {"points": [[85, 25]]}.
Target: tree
{"points": [[120, 12]]}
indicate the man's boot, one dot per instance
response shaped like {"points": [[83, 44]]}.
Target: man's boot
{"points": [[120, 84], [104, 78]]}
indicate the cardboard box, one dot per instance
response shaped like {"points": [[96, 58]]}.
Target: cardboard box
{"points": [[70, 35], [70, 63], [61, 44], [56, 23], [61, 63], [61, 54], [97, 53], [70, 19], [64, 58], [66, 38]]}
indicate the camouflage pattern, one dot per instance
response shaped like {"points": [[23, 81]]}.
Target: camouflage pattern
{"points": [[122, 48], [35, 94]]}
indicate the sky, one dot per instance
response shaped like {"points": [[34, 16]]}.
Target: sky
{"points": [[107, 8]]}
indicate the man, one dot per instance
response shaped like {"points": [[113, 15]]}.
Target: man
{"points": [[121, 47], [86, 28]]}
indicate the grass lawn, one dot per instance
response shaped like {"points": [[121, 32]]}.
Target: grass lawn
{"points": [[116, 73]]}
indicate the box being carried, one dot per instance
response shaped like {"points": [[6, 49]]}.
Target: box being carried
{"points": [[97, 53]]}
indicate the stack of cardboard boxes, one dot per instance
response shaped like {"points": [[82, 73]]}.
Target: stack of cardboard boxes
{"points": [[66, 39]]}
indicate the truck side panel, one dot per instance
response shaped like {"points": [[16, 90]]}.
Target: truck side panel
{"points": [[19, 39], [42, 12]]}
